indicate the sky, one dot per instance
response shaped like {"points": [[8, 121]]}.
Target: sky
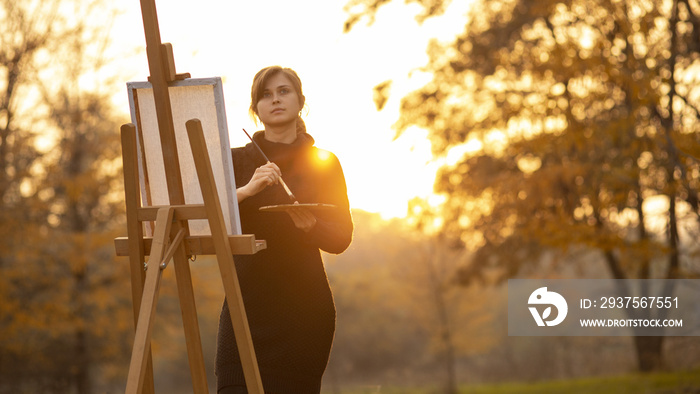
{"points": [[233, 40]]}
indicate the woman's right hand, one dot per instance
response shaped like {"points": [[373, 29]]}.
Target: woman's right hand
{"points": [[263, 177]]}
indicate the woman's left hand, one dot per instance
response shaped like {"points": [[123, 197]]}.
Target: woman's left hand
{"points": [[303, 218]]}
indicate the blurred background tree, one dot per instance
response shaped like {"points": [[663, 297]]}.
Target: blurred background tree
{"points": [[586, 115], [65, 320]]}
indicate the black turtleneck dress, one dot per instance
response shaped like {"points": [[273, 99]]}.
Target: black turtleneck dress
{"points": [[285, 289]]}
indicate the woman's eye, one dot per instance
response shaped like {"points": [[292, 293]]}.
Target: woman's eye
{"points": [[284, 91], [266, 94]]}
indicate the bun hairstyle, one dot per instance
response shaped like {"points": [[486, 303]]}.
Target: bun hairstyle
{"points": [[256, 91]]}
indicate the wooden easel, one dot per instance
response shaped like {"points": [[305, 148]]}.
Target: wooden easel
{"points": [[171, 238]]}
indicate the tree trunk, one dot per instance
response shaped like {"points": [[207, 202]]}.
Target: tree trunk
{"points": [[83, 373], [649, 353], [438, 290], [648, 348]]}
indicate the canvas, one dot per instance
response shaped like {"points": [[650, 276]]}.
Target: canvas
{"points": [[202, 99]]}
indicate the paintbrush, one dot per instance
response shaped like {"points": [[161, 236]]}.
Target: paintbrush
{"points": [[284, 185]]}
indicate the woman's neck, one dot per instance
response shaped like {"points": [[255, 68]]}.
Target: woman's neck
{"points": [[282, 134]]}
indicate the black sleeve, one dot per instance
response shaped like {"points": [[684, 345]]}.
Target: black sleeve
{"points": [[333, 230]]}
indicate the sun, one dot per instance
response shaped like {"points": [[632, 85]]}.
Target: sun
{"points": [[322, 156], [384, 177]]}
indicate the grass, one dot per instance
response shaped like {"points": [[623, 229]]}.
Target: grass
{"points": [[666, 382], [656, 383]]}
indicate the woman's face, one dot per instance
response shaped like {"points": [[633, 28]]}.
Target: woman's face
{"points": [[279, 104]]}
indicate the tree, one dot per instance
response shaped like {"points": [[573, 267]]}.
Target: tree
{"points": [[587, 115], [65, 320]]}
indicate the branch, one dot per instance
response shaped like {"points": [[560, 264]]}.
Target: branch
{"points": [[368, 8], [685, 100]]}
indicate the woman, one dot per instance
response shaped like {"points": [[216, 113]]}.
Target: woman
{"points": [[285, 288]]}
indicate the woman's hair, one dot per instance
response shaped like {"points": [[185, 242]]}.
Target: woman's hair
{"points": [[256, 91]]}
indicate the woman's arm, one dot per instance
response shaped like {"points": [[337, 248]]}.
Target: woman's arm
{"points": [[332, 230], [263, 177], [332, 236]]}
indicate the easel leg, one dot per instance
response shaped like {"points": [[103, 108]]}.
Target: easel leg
{"points": [[244, 340], [142, 339], [135, 231], [190, 321]]}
